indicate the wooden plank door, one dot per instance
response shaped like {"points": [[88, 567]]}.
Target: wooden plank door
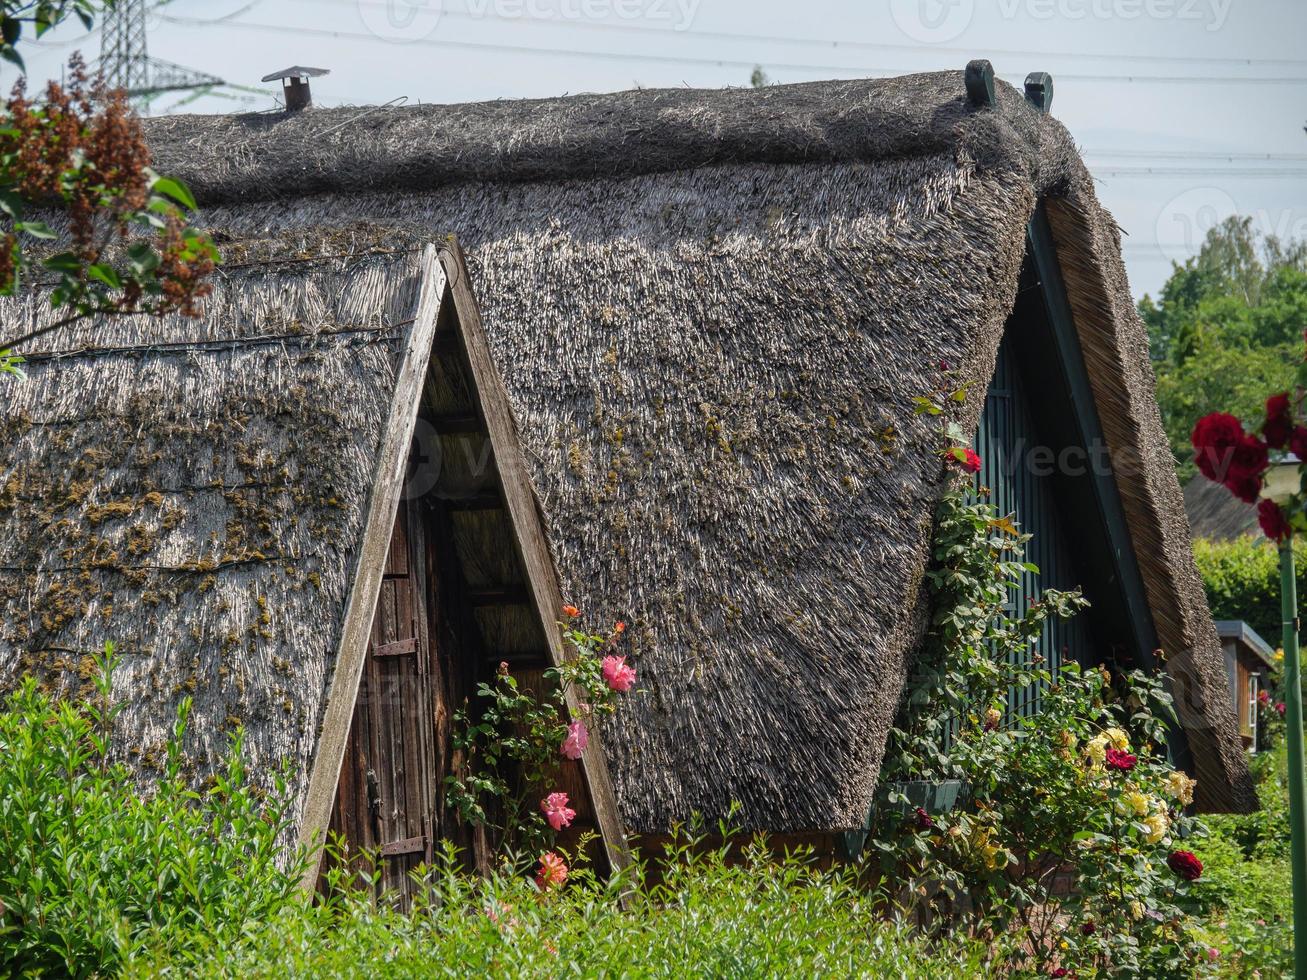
{"points": [[386, 796]]}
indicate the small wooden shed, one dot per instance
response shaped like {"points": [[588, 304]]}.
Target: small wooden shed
{"points": [[1249, 663]]}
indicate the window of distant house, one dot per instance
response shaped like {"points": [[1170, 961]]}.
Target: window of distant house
{"points": [[1251, 729]]}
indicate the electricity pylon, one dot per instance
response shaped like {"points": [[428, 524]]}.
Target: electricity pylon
{"points": [[126, 62]]}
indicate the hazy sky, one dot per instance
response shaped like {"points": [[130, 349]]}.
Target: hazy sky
{"points": [[1186, 110]]}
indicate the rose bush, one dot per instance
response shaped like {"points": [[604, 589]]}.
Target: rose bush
{"points": [[513, 743], [1064, 851], [1237, 459]]}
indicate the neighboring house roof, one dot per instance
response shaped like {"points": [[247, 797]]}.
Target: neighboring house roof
{"points": [[1247, 638], [1215, 513], [711, 310]]}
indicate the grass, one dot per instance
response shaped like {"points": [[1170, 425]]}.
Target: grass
{"points": [[763, 918]]}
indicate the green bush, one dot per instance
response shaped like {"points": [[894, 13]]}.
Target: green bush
{"points": [[1246, 892], [709, 917], [1243, 581], [91, 870]]}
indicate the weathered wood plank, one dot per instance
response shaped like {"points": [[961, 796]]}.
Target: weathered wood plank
{"points": [[492, 406], [383, 503], [399, 648], [409, 845]]}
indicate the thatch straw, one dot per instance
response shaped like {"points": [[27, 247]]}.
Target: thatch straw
{"points": [[712, 311]]}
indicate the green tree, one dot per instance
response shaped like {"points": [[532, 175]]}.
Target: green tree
{"points": [[1225, 328]]}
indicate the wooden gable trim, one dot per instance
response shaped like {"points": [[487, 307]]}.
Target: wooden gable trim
{"points": [[1111, 509], [542, 578], [383, 504]]}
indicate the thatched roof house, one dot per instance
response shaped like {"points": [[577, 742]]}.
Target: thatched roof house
{"points": [[711, 312]]}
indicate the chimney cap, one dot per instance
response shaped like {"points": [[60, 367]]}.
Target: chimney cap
{"points": [[296, 71]]}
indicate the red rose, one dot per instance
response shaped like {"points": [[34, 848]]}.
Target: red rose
{"points": [[1060, 971], [1185, 864], [1264, 698], [1279, 706], [1246, 488], [1120, 760], [1214, 438], [924, 820], [1298, 442], [1250, 457], [1272, 520], [965, 459], [1279, 421], [1088, 929]]}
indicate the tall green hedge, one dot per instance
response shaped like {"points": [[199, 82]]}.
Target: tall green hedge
{"points": [[1243, 581]]}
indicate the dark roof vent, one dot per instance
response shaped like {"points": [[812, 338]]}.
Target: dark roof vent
{"points": [[295, 85], [980, 83], [1039, 90]]}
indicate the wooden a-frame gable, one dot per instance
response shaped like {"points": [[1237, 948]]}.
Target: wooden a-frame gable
{"points": [[454, 576]]}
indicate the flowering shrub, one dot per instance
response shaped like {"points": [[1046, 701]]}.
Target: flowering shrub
{"points": [[1067, 839], [937, 403], [125, 246], [515, 742]]}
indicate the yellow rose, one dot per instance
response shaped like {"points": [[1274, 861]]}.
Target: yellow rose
{"points": [[1118, 739], [1096, 749], [1136, 909], [1157, 825], [1180, 787], [1135, 802]]}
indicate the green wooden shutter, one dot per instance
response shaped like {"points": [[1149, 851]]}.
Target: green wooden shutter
{"points": [[1005, 439]]}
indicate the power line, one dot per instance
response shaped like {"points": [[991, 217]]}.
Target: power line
{"points": [[1193, 172], [592, 25], [1196, 155], [284, 30]]}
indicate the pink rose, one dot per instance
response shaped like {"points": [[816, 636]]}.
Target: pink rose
{"points": [[552, 871], [576, 741], [556, 811], [619, 676]]}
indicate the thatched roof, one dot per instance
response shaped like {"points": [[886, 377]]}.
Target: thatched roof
{"points": [[1215, 513], [711, 311]]}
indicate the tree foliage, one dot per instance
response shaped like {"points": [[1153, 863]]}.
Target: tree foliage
{"points": [[1226, 328]]}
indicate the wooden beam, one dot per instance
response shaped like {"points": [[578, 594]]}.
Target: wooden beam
{"points": [[383, 505], [529, 534], [477, 500], [499, 595], [399, 648], [411, 845], [446, 425]]}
